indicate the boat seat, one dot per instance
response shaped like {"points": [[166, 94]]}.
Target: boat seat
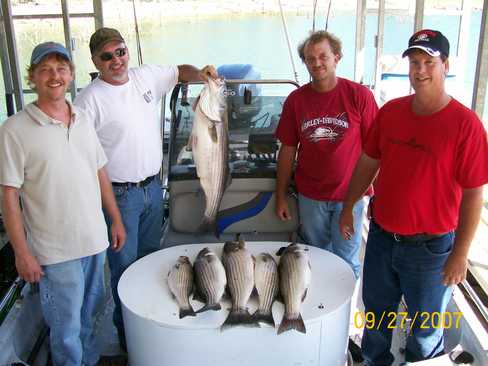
{"points": [[248, 206]]}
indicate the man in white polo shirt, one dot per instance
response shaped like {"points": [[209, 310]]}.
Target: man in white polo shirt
{"points": [[53, 162], [123, 102]]}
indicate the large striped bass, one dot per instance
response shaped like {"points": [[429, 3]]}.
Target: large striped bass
{"points": [[180, 282], [295, 275], [267, 286], [210, 279], [210, 145], [239, 268]]}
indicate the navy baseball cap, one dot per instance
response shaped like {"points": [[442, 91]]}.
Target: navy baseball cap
{"points": [[430, 41], [46, 48]]}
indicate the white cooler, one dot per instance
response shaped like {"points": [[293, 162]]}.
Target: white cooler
{"points": [[156, 335]]}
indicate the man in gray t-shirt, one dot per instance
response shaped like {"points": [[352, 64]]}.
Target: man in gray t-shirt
{"points": [[53, 163]]}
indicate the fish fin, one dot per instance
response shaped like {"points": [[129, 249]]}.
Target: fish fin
{"points": [[192, 140], [226, 294], [195, 103], [239, 317], [209, 307], [254, 293], [242, 243], [266, 318], [187, 312], [288, 324], [207, 225], [280, 251], [212, 130], [304, 294], [228, 180], [197, 295]]}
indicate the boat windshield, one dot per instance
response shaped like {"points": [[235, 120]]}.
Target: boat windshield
{"points": [[253, 110]]}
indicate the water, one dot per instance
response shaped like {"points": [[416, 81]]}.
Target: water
{"points": [[257, 39]]}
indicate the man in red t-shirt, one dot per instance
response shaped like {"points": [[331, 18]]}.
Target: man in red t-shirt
{"points": [[326, 121], [430, 156]]}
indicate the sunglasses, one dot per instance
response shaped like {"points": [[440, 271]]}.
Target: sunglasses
{"points": [[119, 52]]}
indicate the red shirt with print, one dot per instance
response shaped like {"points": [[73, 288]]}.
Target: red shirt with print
{"points": [[425, 163], [329, 129]]}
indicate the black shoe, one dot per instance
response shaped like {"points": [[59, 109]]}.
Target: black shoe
{"points": [[355, 351]]}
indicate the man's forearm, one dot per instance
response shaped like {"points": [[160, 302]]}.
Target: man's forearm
{"points": [[14, 223], [188, 73], [108, 199], [469, 218], [286, 158], [362, 177]]}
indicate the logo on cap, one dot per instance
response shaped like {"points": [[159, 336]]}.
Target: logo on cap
{"points": [[430, 41]]}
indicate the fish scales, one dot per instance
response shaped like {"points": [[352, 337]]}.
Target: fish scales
{"points": [[210, 279], [210, 145], [295, 275], [180, 283], [267, 287], [239, 267]]}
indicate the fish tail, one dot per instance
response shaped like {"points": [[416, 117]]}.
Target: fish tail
{"points": [[264, 317], [209, 307], [239, 317], [187, 312], [288, 324], [208, 225]]}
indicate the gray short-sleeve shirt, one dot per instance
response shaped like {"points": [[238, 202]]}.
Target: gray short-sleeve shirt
{"points": [[55, 169]]}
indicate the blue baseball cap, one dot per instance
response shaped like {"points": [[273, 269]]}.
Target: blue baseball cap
{"points": [[46, 48]]}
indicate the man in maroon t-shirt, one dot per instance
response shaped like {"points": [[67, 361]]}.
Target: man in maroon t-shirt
{"points": [[326, 121], [429, 155]]}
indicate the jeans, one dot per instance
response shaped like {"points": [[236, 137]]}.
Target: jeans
{"points": [[142, 214], [71, 294], [319, 221], [414, 270]]}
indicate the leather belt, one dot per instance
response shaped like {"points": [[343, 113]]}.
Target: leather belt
{"points": [[413, 238], [140, 184]]}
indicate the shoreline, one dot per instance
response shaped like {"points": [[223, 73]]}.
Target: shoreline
{"points": [[174, 10]]}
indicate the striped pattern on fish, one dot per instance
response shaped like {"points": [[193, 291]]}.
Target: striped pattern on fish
{"points": [[210, 279], [295, 276], [210, 145], [180, 283], [239, 268], [267, 286]]}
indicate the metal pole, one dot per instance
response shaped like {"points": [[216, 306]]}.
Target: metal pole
{"points": [[12, 54], [481, 75], [285, 28], [360, 36], [98, 10], [463, 39], [379, 47], [7, 74], [68, 40], [419, 15]]}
